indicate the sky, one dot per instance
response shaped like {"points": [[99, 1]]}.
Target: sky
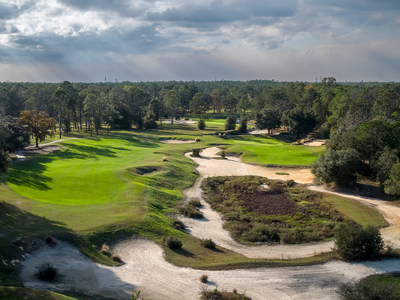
{"points": [[161, 40]]}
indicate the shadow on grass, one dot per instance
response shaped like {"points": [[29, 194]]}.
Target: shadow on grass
{"points": [[17, 222], [183, 252]]}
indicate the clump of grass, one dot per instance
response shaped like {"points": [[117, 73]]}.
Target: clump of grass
{"points": [[223, 295], [197, 140], [196, 152], [172, 242], [164, 158], [208, 243], [116, 258], [178, 224], [47, 272], [195, 203], [204, 278], [282, 173], [191, 209], [49, 240]]}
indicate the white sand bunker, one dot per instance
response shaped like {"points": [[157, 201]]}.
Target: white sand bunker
{"points": [[315, 143], [171, 141], [146, 270]]}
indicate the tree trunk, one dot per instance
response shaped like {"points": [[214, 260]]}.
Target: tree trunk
{"points": [[37, 142]]}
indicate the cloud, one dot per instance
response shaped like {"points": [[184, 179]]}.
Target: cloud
{"points": [[171, 39]]}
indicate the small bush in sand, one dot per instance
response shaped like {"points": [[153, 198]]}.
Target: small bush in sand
{"points": [[223, 154], [196, 152], [191, 211], [172, 242], [204, 278], [223, 295], [47, 272], [178, 224], [105, 249], [208, 243], [195, 203], [116, 258], [49, 240]]}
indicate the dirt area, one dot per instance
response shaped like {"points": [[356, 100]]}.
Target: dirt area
{"points": [[177, 142], [146, 270], [270, 204]]}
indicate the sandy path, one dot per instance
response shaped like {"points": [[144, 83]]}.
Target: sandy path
{"points": [[145, 269], [212, 224]]}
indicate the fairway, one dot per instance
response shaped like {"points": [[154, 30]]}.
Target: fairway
{"points": [[87, 172], [271, 151]]}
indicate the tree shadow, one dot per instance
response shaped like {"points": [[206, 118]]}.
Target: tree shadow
{"points": [[183, 252], [29, 173]]}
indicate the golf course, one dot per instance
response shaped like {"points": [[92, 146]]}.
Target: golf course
{"points": [[119, 185]]}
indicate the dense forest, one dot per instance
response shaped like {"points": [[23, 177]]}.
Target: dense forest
{"points": [[362, 120]]}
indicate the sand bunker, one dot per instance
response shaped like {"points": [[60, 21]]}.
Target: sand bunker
{"points": [[177, 142], [145, 269]]}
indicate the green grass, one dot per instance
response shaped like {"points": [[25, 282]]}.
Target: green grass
{"points": [[271, 151], [89, 194], [14, 293], [356, 211]]}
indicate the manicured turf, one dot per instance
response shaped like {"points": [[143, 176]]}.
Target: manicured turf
{"points": [[272, 151], [362, 214]]}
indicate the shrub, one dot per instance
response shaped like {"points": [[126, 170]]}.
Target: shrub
{"points": [[243, 125], [223, 295], [164, 158], [201, 125], [49, 240], [261, 233], [116, 258], [353, 242], [204, 278], [178, 224], [337, 166], [196, 152], [149, 123], [368, 290], [392, 185], [191, 212], [230, 123], [208, 243], [47, 272], [172, 242], [195, 203], [223, 154]]}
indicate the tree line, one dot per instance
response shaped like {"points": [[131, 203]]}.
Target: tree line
{"points": [[361, 119]]}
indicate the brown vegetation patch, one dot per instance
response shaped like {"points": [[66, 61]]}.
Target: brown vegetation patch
{"points": [[270, 204]]}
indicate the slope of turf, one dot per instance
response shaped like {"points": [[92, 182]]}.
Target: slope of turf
{"points": [[272, 151]]}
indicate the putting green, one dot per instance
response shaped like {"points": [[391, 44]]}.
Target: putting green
{"points": [[87, 172], [271, 151]]}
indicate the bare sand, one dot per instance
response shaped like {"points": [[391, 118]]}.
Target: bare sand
{"points": [[146, 270], [177, 142]]}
